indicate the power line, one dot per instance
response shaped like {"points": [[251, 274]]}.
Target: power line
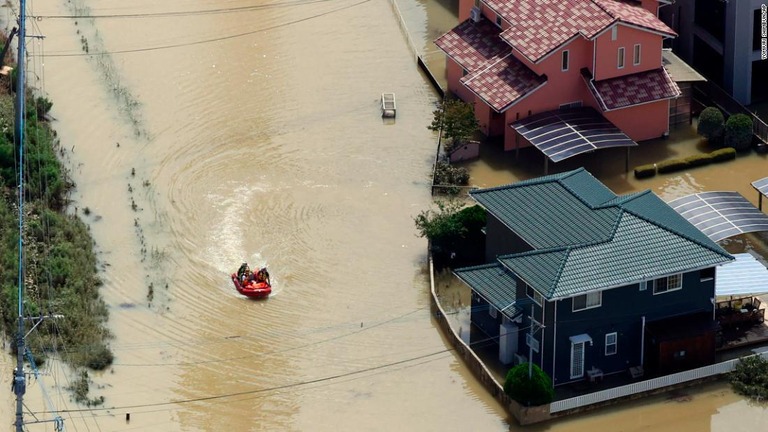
{"points": [[292, 3], [218, 39], [264, 390]]}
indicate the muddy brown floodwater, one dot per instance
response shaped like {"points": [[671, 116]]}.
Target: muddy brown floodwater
{"points": [[206, 133]]}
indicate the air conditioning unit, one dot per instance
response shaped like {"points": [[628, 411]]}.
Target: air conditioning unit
{"points": [[475, 14]]}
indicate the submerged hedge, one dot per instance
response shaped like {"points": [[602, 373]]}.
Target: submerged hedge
{"points": [[672, 165]]}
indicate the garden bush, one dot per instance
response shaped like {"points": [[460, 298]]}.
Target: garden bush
{"points": [[711, 125], [645, 171], [454, 233], [723, 154], [533, 391], [750, 377], [450, 177], [699, 160], [738, 132], [671, 165]]}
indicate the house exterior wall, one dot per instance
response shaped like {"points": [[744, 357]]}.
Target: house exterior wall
{"points": [[453, 73], [464, 7], [500, 240], [615, 315], [642, 122], [736, 48], [482, 318], [606, 52]]}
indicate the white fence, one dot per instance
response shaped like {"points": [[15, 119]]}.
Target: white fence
{"points": [[644, 386]]}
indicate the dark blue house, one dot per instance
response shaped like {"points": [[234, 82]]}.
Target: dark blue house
{"points": [[587, 283]]}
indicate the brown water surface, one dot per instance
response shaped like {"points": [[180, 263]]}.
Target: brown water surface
{"points": [[253, 133]]}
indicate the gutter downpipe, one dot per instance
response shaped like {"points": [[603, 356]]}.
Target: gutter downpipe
{"points": [[554, 344], [642, 344]]}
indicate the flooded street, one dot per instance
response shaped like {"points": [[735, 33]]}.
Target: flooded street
{"points": [[202, 134]]}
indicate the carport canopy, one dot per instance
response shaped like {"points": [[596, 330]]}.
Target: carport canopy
{"points": [[761, 186], [564, 133], [720, 215], [744, 276]]}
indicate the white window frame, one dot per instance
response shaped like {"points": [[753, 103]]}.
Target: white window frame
{"points": [[614, 32], [591, 300], [565, 60], [636, 55], [536, 296], [672, 283], [611, 343], [620, 64]]}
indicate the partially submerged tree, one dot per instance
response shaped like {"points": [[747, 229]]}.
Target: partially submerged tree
{"points": [[711, 125], [453, 231], [738, 132], [532, 390], [457, 120]]}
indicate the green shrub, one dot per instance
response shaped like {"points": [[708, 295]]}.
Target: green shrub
{"points": [[671, 165], [645, 171], [699, 160], [450, 177], [452, 229], [723, 154], [533, 391], [711, 125], [738, 132], [750, 377], [457, 120]]}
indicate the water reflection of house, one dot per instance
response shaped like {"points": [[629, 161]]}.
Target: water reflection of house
{"points": [[523, 58], [587, 283]]}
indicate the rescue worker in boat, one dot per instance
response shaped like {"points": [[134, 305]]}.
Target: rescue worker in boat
{"points": [[263, 276], [243, 272]]}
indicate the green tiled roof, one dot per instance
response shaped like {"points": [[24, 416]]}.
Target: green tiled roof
{"points": [[494, 283], [638, 251], [542, 211], [586, 238]]}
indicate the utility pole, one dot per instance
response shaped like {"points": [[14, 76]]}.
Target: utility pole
{"points": [[19, 383]]}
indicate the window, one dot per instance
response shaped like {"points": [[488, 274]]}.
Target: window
{"points": [[565, 61], [587, 301], [492, 311], [636, 55], [621, 57], [643, 285], [498, 20], [464, 72], [614, 32], [707, 274], [611, 344], [577, 359], [533, 295], [669, 283]]}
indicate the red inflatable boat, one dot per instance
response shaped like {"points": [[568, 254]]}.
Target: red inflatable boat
{"points": [[252, 289]]}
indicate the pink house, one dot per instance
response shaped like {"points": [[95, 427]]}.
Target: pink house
{"points": [[567, 76]]}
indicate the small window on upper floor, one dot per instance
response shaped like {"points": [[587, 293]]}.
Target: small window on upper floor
{"points": [[498, 20], [565, 60], [534, 295], [614, 32], [621, 58], [707, 274], [667, 284], [636, 55], [587, 301]]}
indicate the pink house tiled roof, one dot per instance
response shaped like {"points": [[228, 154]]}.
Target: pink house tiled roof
{"points": [[635, 89], [537, 27], [473, 45], [503, 83]]}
